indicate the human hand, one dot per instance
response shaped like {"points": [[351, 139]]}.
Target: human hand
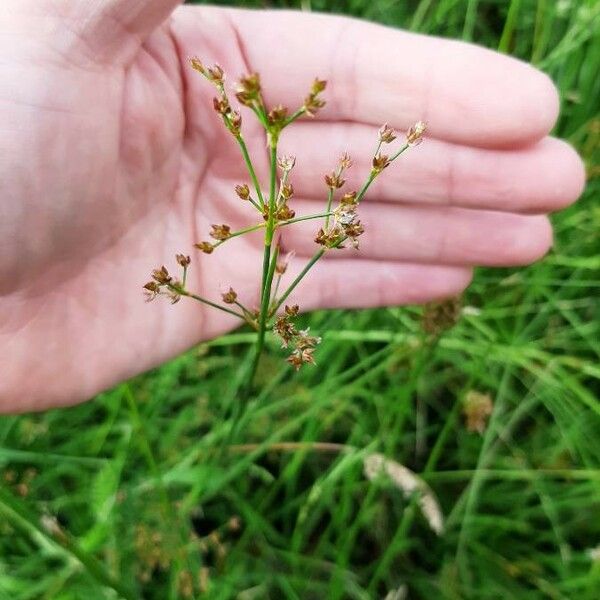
{"points": [[112, 161]]}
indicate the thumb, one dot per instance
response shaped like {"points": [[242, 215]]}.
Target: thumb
{"points": [[113, 30]]}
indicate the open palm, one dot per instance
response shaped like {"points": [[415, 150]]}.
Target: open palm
{"points": [[112, 161]]}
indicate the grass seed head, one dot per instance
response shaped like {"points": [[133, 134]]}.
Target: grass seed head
{"points": [[183, 260], [243, 191], [386, 134], [414, 136], [220, 232], [230, 296], [380, 162], [205, 247]]}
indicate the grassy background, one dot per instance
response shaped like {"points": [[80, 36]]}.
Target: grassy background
{"points": [[141, 491]]}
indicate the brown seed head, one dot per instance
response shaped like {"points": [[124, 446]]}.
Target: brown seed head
{"points": [[250, 83], [277, 115], [348, 199], [215, 74], [441, 316], [220, 232], [248, 89], [292, 311], [243, 191], [151, 290], [244, 99], [206, 247], [230, 296], [235, 122], [380, 162], [331, 238], [353, 231], [318, 86], [287, 191], [295, 359], [197, 65], [285, 213], [221, 105], [414, 136], [152, 286], [183, 260], [286, 163], [345, 214], [345, 161], [386, 134], [312, 105], [161, 276], [285, 329], [477, 407], [304, 340], [334, 181], [321, 237], [300, 357]]}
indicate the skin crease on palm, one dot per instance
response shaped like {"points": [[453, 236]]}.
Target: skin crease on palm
{"points": [[112, 160]]}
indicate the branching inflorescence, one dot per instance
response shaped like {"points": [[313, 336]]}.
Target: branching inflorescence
{"points": [[340, 226]]}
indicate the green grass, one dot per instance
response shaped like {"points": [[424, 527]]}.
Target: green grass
{"points": [[148, 483]]}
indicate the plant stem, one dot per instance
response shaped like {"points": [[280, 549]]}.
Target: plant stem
{"points": [[182, 292], [295, 116], [305, 218], [184, 278], [255, 204], [267, 274], [298, 279], [239, 232], [250, 167], [395, 156], [329, 202]]}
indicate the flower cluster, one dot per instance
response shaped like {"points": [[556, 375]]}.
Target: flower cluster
{"points": [[313, 102], [301, 341], [344, 224], [163, 284], [341, 225]]}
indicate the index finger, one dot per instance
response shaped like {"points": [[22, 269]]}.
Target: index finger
{"points": [[467, 94]]}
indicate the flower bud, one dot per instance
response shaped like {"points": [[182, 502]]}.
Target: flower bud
{"points": [[243, 191], [161, 276], [380, 162], [220, 232], [230, 296], [183, 260], [414, 136], [205, 247], [386, 134]]}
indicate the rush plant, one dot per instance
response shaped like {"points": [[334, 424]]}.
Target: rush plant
{"points": [[340, 225]]}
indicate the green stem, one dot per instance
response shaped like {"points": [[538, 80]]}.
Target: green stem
{"points": [[298, 279], [182, 292], [295, 116], [240, 232], [250, 168], [184, 278], [395, 156], [268, 271], [246, 311], [255, 204], [329, 203], [365, 187], [304, 218]]}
